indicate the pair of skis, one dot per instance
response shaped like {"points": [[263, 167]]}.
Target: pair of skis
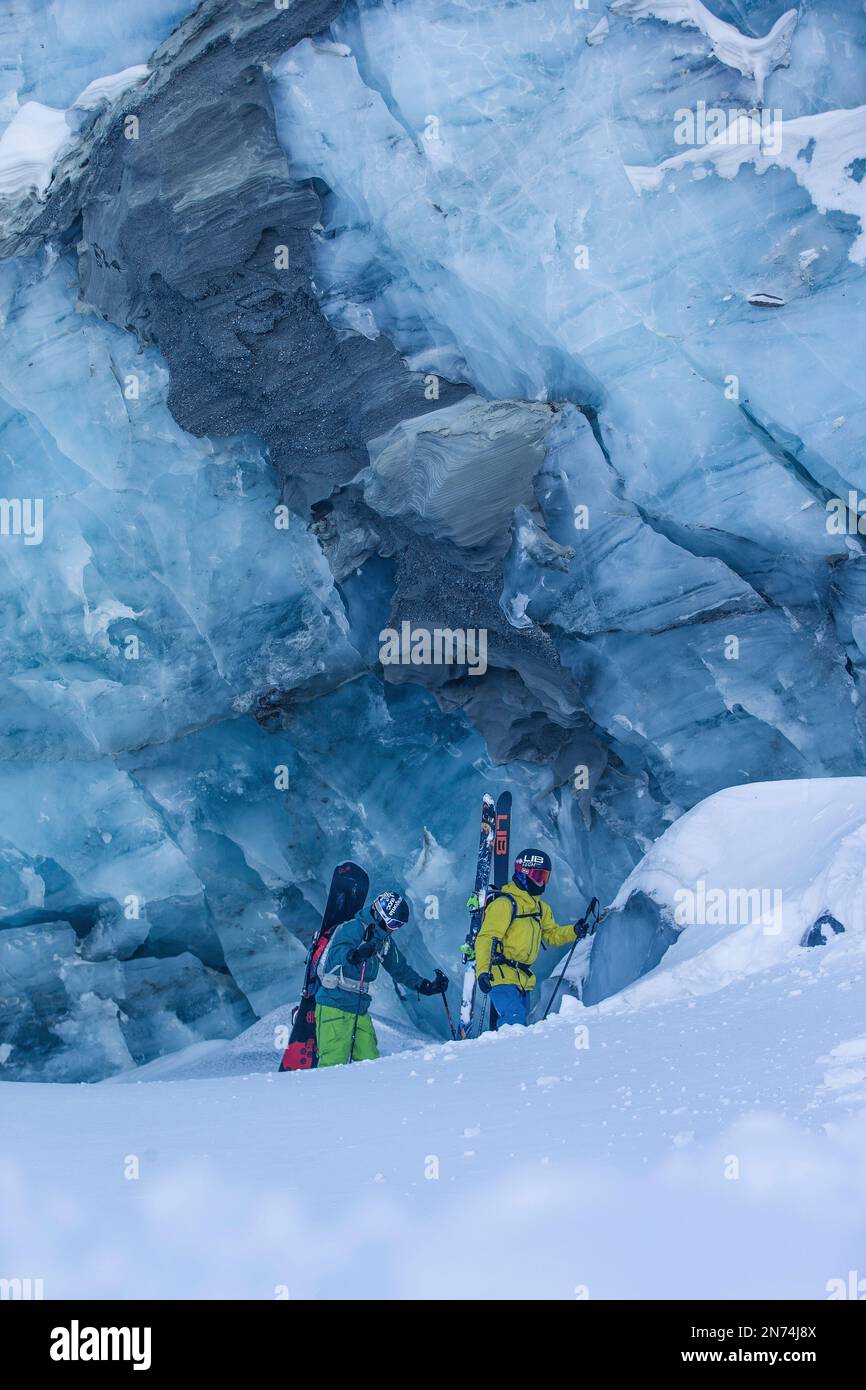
{"points": [[491, 865]]}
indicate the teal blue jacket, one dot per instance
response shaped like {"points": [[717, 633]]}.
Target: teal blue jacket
{"points": [[340, 978]]}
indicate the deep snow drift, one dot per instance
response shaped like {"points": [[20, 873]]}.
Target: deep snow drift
{"points": [[733, 886]]}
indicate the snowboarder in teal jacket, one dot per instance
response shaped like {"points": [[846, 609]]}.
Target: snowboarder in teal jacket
{"points": [[346, 970]]}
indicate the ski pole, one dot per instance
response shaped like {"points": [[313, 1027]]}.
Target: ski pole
{"points": [[483, 1020], [495, 958], [448, 1015], [350, 1057], [593, 908]]}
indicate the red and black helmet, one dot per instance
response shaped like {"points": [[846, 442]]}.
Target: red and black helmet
{"points": [[532, 865]]}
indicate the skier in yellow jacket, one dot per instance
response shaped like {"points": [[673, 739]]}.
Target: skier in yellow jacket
{"points": [[515, 924]]}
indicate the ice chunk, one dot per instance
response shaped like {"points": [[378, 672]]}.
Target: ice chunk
{"points": [[818, 933], [427, 469], [608, 570]]}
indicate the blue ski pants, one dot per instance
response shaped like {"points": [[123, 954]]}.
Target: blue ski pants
{"points": [[511, 1003]]}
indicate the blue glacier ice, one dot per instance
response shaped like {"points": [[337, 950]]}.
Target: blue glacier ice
{"points": [[53, 49]]}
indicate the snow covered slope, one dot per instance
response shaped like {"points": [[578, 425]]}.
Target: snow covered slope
{"points": [[734, 886], [705, 1147]]}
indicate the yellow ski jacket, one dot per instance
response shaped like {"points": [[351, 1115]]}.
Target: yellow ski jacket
{"points": [[519, 939]]}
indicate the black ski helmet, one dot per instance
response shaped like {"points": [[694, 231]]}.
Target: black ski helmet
{"points": [[532, 870], [389, 910]]}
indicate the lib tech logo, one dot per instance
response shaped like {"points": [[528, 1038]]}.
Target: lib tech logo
{"points": [[501, 834]]}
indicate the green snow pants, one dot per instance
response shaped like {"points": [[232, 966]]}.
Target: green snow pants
{"points": [[334, 1037]]}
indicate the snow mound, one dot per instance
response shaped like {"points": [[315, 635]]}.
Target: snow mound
{"points": [[109, 88], [29, 146], [744, 875], [845, 1077]]}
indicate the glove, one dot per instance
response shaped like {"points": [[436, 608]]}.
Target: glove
{"points": [[485, 982], [362, 953], [581, 929], [437, 985]]}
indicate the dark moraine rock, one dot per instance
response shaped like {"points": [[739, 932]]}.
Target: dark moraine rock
{"points": [[179, 234]]}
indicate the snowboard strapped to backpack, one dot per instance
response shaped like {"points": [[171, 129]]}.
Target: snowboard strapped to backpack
{"points": [[348, 893]]}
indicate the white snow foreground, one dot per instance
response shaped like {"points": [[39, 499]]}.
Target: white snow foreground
{"points": [[707, 1146], [745, 874]]}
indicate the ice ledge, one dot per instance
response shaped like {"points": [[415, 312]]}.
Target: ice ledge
{"points": [[753, 57], [821, 152]]}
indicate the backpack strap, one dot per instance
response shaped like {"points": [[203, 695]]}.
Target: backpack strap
{"points": [[494, 893], [335, 979], [515, 915]]}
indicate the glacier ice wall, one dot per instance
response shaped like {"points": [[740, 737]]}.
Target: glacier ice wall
{"points": [[430, 279], [481, 214]]}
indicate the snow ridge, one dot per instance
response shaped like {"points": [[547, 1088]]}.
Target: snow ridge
{"points": [[37, 134], [752, 57]]}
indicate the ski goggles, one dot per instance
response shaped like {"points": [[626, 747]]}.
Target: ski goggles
{"points": [[384, 919], [539, 876]]}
